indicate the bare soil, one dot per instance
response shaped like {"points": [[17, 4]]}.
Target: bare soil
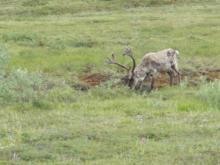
{"points": [[94, 79], [193, 77]]}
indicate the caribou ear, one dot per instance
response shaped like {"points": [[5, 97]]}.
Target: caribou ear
{"points": [[177, 52]]}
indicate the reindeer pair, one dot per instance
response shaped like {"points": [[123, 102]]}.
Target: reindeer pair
{"points": [[151, 64]]}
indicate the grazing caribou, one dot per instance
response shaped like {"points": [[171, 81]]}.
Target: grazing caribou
{"points": [[152, 63]]}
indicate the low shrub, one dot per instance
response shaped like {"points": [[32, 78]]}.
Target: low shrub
{"points": [[21, 86], [210, 93]]}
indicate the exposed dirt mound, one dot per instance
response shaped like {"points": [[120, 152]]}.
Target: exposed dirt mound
{"points": [[211, 74], [94, 79], [193, 77]]}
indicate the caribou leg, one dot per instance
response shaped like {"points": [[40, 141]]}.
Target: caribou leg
{"points": [[152, 82], [170, 73], [178, 73]]}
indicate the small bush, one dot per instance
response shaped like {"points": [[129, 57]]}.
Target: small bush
{"points": [[36, 89], [210, 93], [21, 86]]}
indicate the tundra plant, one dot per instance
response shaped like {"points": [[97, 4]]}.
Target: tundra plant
{"points": [[21, 86], [18, 85], [3, 61], [210, 93]]}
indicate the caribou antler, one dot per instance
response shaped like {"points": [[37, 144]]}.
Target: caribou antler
{"points": [[128, 52], [112, 61]]}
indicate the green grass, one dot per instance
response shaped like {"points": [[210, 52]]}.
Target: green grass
{"points": [[67, 43], [115, 130], [46, 121]]}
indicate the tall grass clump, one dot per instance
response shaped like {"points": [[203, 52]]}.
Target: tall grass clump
{"points": [[210, 94]]}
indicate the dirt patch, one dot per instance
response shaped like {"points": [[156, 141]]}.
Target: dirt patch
{"points": [[94, 79], [162, 81], [211, 74], [193, 77]]}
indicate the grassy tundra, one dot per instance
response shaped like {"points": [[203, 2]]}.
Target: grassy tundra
{"points": [[46, 45]]}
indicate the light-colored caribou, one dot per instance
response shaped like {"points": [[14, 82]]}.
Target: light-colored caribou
{"points": [[152, 63]]}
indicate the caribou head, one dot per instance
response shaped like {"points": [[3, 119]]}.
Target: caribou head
{"points": [[129, 78]]}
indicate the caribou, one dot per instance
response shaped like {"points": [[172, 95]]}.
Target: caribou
{"points": [[151, 64]]}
